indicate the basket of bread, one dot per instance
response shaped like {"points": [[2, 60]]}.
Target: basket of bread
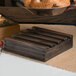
{"points": [[48, 7]]}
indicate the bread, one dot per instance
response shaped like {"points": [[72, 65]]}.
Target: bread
{"points": [[27, 3], [46, 3], [42, 4], [1, 19], [62, 3]]}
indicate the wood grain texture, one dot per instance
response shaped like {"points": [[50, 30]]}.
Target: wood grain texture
{"points": [[68, 17], [7, 31], [38, 46], [21, 15], [65, 60]]}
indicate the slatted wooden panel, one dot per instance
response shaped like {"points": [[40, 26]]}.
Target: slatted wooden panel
{"points": [[39, 43]]}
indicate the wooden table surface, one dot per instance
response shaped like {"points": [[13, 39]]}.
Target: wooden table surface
{"points": [[66, 60]]}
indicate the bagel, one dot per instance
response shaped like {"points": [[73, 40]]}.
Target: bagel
{"points": [[27, 3], [46, 3], [61, 3], [42, 4]]}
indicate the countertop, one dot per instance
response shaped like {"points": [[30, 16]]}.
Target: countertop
{"points": [[67, 59], [62, 65]]}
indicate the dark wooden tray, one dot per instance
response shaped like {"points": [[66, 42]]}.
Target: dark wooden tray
{"points": [[68, 17], [39, 43]]}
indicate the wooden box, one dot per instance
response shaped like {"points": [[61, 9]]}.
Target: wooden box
{"points": [[7, 31], [39, 43]]}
